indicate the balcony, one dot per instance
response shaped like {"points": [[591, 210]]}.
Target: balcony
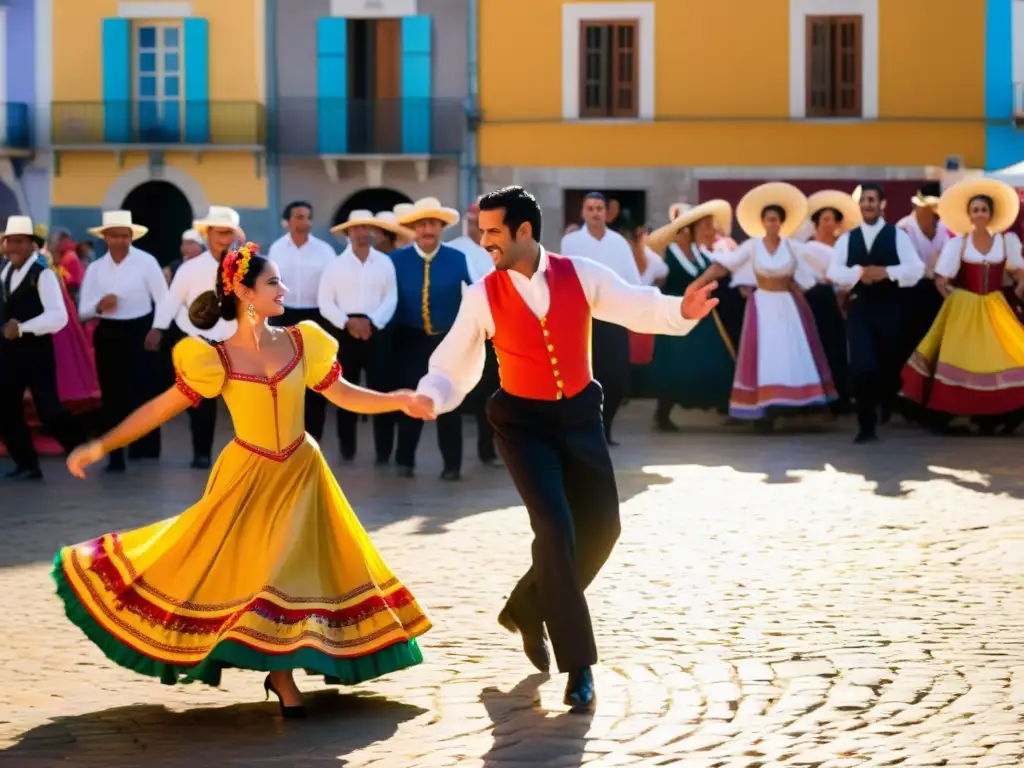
{"points": [[159, 126], [370, 133], [16, 130]]}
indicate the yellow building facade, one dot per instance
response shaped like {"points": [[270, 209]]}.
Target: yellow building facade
{"points": [[663, 95], [157, 107]]}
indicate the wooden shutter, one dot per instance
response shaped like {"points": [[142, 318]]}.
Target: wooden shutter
{"points": [[608, 68], [834, 56], [818, 55]]}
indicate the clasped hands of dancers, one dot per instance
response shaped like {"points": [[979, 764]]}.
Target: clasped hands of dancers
{"points": [[184, 598]]}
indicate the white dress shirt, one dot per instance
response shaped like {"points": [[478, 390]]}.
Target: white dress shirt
{"points": [[906, 274], [458, 362], [655, 269], [54, 316], [612, 250], [194, 277], [353, 287], [137, 282], [1003, 247], [479, 260], [301, 268], [928, 248]]}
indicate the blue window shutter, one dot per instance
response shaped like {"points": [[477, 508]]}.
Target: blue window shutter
{"points": [[197, 81], [416, 64], [332, 85], [117, 84]]}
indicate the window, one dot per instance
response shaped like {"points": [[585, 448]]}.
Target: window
{"points": [[608, 68], [835, 61], [159, 88]]}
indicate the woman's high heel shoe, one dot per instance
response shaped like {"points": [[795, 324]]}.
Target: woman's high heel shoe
{"points": [[288, 713]]}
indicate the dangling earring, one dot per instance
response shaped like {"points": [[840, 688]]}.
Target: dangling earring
{"points": [[250, 312]]}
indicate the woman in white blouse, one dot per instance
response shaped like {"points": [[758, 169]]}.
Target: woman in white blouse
{"points": [[780, 363], [971, 362]]}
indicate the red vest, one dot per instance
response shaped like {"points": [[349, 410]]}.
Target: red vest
{"points": [[549, 358]]}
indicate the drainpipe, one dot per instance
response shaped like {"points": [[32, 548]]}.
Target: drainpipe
{"points": [[270, 118], [469, 161]]}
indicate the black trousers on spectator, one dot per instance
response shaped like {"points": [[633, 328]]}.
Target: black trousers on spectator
{"points": [[611, 367], [476, 405], [125, 370], [412, 349], [28, 364], [557, 455], [371, 357], [875, 334], [202, 419], [316, 404]]}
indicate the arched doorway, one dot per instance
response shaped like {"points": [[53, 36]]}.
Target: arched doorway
{"points": [[163, 208], [374, 199]]}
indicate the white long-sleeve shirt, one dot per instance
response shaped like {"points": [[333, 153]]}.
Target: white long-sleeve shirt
{"points": [[194, 277], [612, 250], [353, 287], [906, 274], [458, 362], [480, 262], [137, 282], [54, 316], [301, 268]]}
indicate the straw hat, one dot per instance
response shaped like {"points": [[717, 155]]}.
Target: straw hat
{"points": [[119, 220], [927, 196], [427, 208], [954, 201], [22, 225], [192, 236], [387, 221], [839, 201], [779, 193], [357, 218], [720, 210], [220, 217]]}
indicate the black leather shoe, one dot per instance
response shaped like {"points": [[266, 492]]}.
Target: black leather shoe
{"points": [[535, 644], [580, 694], [404, 471], [865, 436], [25, 473], [451, 475], [201, 462]]}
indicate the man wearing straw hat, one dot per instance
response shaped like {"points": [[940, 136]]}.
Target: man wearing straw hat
{"points": [[220, 230], [122, 288], [388, 234], [431, 279], [929, 236], [357, 299], [301, 258], [31, 310]]}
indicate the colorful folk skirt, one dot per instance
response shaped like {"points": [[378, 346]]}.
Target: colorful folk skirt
{"points": [[270, 570], [781, 364], [971, 362]]}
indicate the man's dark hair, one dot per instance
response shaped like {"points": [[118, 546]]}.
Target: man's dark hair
{"points": [[595, 196], [296, 204], [930, 189], [520, 206], [873, 186]]}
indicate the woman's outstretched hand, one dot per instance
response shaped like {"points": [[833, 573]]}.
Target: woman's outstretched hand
{"points": [[415, 406], [84, 455]]}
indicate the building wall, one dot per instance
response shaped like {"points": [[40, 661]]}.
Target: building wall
{"points": [[728, 114], [1004, 71]]}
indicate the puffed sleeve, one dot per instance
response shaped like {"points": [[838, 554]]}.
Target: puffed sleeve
{"points": [[320, 356], [198, 371]]}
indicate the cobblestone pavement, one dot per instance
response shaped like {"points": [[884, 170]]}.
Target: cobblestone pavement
{"points": [[786, 600]]}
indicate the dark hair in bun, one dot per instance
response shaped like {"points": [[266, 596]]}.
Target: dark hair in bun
{"points": [[776, 209], [214, 305]]}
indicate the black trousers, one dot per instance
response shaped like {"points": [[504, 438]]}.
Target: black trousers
{"points": [[412, 349], [476, 405], [832, 330], [125, 371], [611, 367], [316, 404], [203, 418], [557, 455], [373, 358], [877, 344], [28, 364]]}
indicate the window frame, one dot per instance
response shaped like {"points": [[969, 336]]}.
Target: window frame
{"points": [[611, 111], [160, 99], [833, 23]]}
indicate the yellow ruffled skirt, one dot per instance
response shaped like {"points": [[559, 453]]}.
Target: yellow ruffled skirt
{"points": [[270, 570]]}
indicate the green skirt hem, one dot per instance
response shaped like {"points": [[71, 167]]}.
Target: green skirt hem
{"points": [[231, 654]]}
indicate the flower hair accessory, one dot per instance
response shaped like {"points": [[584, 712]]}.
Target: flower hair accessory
{"points": [[236, 267]]}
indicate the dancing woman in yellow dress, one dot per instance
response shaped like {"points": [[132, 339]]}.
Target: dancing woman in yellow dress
{"points": [[270, 570]]}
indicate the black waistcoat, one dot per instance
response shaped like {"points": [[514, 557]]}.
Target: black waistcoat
{"points": [[883, 253], [22, 304]]}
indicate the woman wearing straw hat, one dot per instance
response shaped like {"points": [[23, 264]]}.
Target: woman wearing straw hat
{"points": [[676, 378], [929, 236], [971, 362], [780, 363], [831, 213]]}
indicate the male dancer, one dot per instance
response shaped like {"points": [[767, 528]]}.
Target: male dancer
{"points": [[874, 261], [537, 308]]}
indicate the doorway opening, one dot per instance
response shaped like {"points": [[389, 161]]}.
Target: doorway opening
{"points": [[375, 199], [164, 209], [375, 85], [627, 208]]}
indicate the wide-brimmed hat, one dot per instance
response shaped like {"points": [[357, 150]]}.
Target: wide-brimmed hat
{"points": [[192, 236], [220, 217], [428, 208], [387, 221], [786, 196], [927, 196], [954, 201], [119, 220], [720, 210], [357, 218], [838, 201], [22, 225]]}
